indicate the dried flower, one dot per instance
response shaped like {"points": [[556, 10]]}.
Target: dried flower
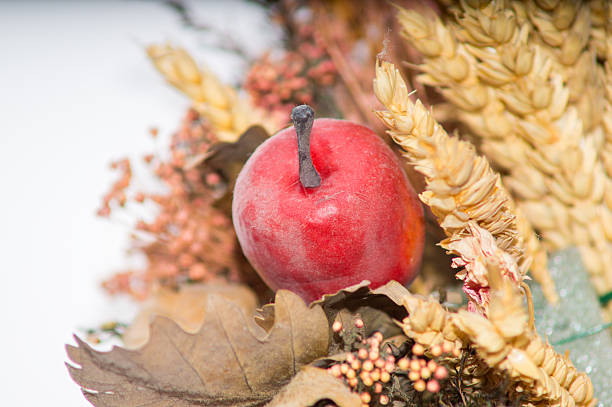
{"points": [[188, 239]]}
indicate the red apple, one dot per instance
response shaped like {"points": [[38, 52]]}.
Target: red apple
{"points": [[352, 216]]}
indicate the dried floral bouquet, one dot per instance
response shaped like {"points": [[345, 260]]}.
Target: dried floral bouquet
{"points": [[526, 87]]}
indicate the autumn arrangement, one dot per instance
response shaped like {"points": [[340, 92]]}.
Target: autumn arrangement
{"points": [[290, 262]]}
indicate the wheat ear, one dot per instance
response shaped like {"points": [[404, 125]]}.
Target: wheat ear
{"points": [[229, 114], [513, 95], [461, 187], [504, 342]]}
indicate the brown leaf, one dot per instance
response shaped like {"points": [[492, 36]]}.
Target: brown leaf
{"points": [[185, 306], [228, 158], [231, 361], [377, 308], [312, 385]]}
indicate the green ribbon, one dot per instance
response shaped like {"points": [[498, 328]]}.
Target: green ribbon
{"points": [[605, 299], [589, 332]]}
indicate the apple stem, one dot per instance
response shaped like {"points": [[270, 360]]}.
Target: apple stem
{"points": [[303, 118]]}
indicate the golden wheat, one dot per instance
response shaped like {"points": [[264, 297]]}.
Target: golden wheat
{"points": [[229, 114], [461, 187]]}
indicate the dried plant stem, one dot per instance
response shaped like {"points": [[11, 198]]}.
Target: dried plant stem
{"points": [[345, 71], [229, 114], [461, 187]]}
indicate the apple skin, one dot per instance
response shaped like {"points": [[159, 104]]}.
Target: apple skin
{"points": [[364, 222]]}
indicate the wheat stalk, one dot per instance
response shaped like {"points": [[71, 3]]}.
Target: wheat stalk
{"points": [[229, 114], [511, 92], [461, 187], [504, 342]]}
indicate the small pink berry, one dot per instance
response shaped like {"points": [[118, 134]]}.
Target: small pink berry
{"points": [[441, 373], [425, 373], [365, 397], [433, 386], [385, 376], [362, 354], [420, 385], [403, 364], [368, 366], [359, 323], [337, 326], [414, 375], [378, 388], [384, 400], [447, 347], [418, 349], [335, 371]]}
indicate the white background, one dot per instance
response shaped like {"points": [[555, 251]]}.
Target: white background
{"points": [[76, 92]]}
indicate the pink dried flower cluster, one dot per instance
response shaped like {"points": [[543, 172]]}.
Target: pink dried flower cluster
{"points": [[278, 84], [477, 252], [370, 369], [189, 239]]}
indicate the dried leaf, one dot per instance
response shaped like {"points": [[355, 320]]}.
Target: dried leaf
{"points": [[231, 361], [186, 307], [377, 308], [312, 385], [228, 158]]}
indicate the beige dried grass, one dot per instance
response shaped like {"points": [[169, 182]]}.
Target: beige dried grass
{"points": [[229, 114], [519, 94], [460, 185]]}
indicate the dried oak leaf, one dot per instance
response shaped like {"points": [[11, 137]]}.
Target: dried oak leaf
{"points": [[312, 385], [185, 306], [377, 308], [230, 361]]}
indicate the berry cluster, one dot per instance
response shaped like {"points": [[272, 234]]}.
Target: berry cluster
{"points": [[278, 84], [188, 239], [375, 369]]}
